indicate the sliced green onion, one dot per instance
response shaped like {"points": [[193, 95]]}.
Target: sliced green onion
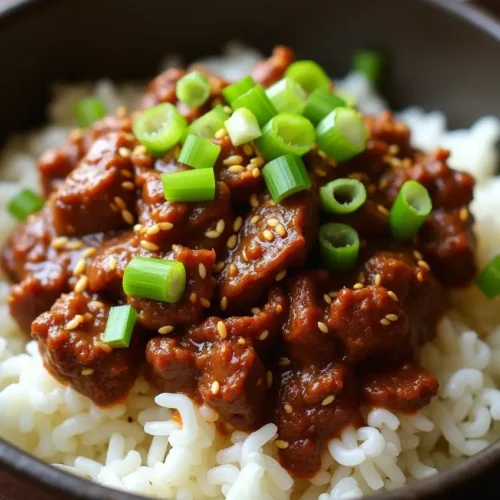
{"points": [[309, 75], [120, 325], [321, 103], [199, 153], [242, 127], [286, 134], [193, 89], [342, 196], [350, 99], [208, 124], [339, 247], [285, 176], [370, 63], [89, 110], [232, 92], [155, 279], [342, 134], [412, 205], [189, 185], [287, 96], [488, 280], [25, 203], [160, 128], [258, 103]]}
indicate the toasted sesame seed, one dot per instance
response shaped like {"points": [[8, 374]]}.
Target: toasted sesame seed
{"points": [[383, 184], [212, 234], [221, 225], [255, 172], [120, 203], [204, 302], [280, 229], [89, 252], [392, 317], [378, 279], [282, 445], [232, 241], [221, 133], [140, 150], [165, 226], [382, 210], [264, 335], [80, 267], [124, 152], [112, 263], [127, 175], [233, 160], [284, 362], [152, 247], [75, 135], [327, 299], [137, 228], [358, 286], [236, 169], [268, 235], [127, 217], [143, 230], [75, 322], [258, 161], [81, 284], [219, 266], [75, 245], [272, 222], [279, 309], [113, 207], [222, 329], [288, 409], [393, 296], [319, 172], [193, 298], [232, 270], [420, 276], [155, 229], [223, 303], [463, 214], [254, 201], [269, 378], [329, 399], [165, 329], [322, 327], [59, 242], [417, 255], [281, 275], [255, 219], [87, 371], [95, 304], [215, 388], [424, 264], [238, 222], [385, 322], [242, 341], [393, 149], [248, 150], [255, 310]]}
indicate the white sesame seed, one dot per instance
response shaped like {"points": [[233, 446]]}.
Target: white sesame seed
{"points": [[221, 225], [329, 399], [137, 228], [129, 186], [223, 303], [87, 371], [424, 264], [222, 329], [281, 275], [221, 133], [238, 222], [165, 329], [282, 445], [193, 298], [212, 234], [417, 255], [80, 267], [127, 217], [264, 335], [81, 284], [268, 235], [152, 247], [464, 214], [75, 322], [75, 245], [280, 229], [420, 276], [242, 341], [322, 327], [89, 252], [392, 317], [59, 242], [327, 299], [284, 362], [288, 409], [382, 210], [258, 161], [232, 241], [378, 279], [232, 270], [385, 322], [272, 222], [215, 388], [155, 229], [219, 266], [233, 160], [202, 271], [204, 302], [124, 152], [120, 203], [165, 226], [255, 172], [112, 263], [255, 310], [247, 149], [255, 219], [393, 296], [95, 304], [358, 286], [254, 201], [269, 378], [236, 169]]}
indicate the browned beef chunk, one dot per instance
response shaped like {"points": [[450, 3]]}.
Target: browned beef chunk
{"points": [[369, 322], [407, 387], [313, 405], [383, 127], [370, 220], [171, 366], [94, 197], [273, 238], [271, 70], [70, 340], [449, 245]]}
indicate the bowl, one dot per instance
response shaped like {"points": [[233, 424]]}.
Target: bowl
{"points": [[444, 55]]}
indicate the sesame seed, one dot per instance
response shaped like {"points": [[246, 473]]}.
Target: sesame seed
{"points": [[127, 175], [137, 228], [420, 276], [221, 133], [329, 399], [361, 277], [385, 322], [143, 230], [233, 270], [382, 210], [464, 214], [75, 245], [212, 234], [383, 184], [424, 264], [127, 217], [233, 160], [89, 252], [222, 329], [112, 263], [255, 172], [284, 362], [378, 279], [124, 152], [255, 310], [280, 229], [282, 445], [327, 299], [269, 378], [202, 271], [95, 304], [121, 111], [254, 201], [80, 267], [288, 409], [153, 230], [149, 246], [272, 222], [76, 135], [223, 303], [75, 322], [204, 302], [281, 275], [392, 317], [215, 388], [219, 266], [372, 189], [255, 219], [165, 329], [322, 327], [221, 225], [268, 235], [140, 150], [393, 296], [238, 222], [87, 371], [322, 154], [193, 298], [232, 241], [393, 149], [279, 309], [236, 169], [120, 203], [165, 226], [358, 286], [258, 161], [319, 172], [418, 255], [248, 150], [264, 335], [113, 207], [81, 284], [242, 341], [333, 294], [59, 243]]}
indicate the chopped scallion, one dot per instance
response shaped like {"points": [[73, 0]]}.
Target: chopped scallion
{"points": [[287, 96], [155, 279], [242, 127], [235, 90], [309, 75], [89, 110], [320, 104], [342, 196], [193, 89], [208, 124], [25, 203], [258, 103], [199, 153], [119, 327], [189, 185], [370, 63], [339, 247], [488, 280]]}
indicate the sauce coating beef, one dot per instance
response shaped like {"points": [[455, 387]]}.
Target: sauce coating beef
{"points": [[261, 333]]}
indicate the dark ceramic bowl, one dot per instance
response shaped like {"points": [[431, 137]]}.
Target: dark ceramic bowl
{"points": [[444, 55]]}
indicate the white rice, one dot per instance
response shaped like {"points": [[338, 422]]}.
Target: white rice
{"points": [[138, 446]]}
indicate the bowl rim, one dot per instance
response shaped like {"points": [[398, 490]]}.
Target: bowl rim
{"points": [[55, 480]]}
